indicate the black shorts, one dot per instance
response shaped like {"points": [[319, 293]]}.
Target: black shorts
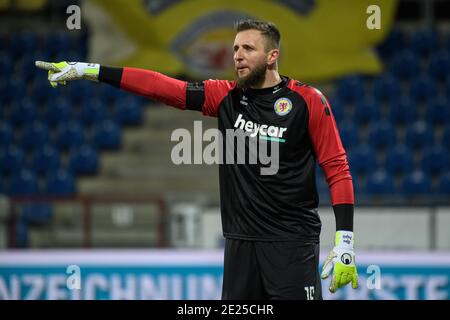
{"points": [[271, 270]]}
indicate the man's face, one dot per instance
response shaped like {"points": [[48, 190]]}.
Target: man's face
{"points": [[250, 58]]}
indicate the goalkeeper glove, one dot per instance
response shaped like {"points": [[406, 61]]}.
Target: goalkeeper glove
{"points": [[342, 260], [60, 72]]}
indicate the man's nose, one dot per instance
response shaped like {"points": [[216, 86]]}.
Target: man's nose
{"points": [[237, 55]]}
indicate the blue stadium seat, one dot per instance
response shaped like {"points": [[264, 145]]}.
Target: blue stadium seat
{"points": [[349, 134], [92, 111], [70, 135], [438, 111], [34, 134], [436, 159], [79, 90], [419, 134], [57, 41], [424, 41], [45, 159], [12, 159], [403, 110], [405, 64], [439, 66], [444, 184], [58, 111], [23, 42], [423, 88], [13, 89], [23, 111], [350, 88], [61, 183], [21, 240], [83, 160], [366, 111], [382, 134], [6, 134], [24, 183], [37, 213], [380, 183], [399, 159], [128, 111], [394, 42], [42, 91], [446, 136], [337, 108], [362, 159], [386, 87], [106, 135], [6, 63], [415, 183]]}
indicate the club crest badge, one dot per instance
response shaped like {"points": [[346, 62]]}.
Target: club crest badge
{"points": [[282, 106]]}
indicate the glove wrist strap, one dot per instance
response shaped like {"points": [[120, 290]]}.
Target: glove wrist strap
{"points": [[344, 239], [91, 71]]}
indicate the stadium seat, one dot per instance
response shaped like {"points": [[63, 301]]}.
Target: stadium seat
{"points": [[438, 111], [337, 108], [60, 183], [78, 91], [386, 87], [382, 134], [58, 111], [419, 135], [423, 88], [6, 134], [37, 213], [21, 240], [416, 182], [70, 135], [6, 62], [23, 42], [380, 183], [405, 65], [24, 183], [349, 134], [92, 111], [399, 159], [57, 42], [424, 41], [403, 110], [12, 159], [436, 159], [366, 111], [23, 111], [128, 111], [362, 159], [439, 66], [45, 159], [34, 134], [444, 184], [350, 88], [41, 90], [446, 137], [394, 42], [106, 135], [83, 160]]}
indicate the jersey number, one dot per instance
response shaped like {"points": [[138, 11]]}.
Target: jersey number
{"points": [[309, 293]]}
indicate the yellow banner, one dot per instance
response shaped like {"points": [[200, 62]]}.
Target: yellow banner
{"points": [[320, 39]]}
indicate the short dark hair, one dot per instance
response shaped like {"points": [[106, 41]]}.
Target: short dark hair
{"points": [[268, 30]]}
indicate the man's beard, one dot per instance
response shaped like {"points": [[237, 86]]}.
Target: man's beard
{"points": [[255, 78]]}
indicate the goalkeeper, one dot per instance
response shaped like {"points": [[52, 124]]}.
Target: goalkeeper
{"points": [[270, 222]]}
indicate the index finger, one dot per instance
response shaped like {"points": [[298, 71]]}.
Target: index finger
{"points": [[46, 66]]}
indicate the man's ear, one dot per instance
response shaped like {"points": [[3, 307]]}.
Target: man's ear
{"points": [[272, 57]]}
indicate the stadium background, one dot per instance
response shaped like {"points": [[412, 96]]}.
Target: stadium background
{"points": [[86, 173]]}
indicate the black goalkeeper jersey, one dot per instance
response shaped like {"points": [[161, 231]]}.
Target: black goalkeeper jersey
{"points": [[274, 207]]}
